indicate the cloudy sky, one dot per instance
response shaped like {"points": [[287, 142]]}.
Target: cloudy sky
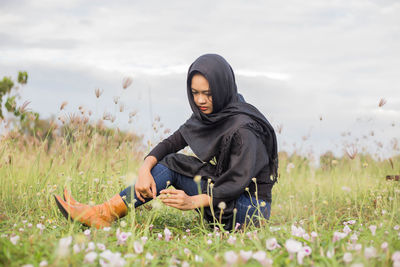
{"points": [[297, 61]]}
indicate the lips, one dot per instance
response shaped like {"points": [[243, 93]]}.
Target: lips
{"points": [[203, 108]]}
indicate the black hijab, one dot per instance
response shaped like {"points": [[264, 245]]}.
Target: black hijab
{"points": [[209, 135]]}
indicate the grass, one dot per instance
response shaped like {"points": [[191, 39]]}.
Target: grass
{"points": [[95, 167]]}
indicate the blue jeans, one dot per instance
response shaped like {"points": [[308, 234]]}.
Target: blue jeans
{"points": [[246, 207]]}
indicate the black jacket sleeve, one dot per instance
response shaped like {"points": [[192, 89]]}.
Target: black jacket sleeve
{"points": [[247, 159], [172, 144]]}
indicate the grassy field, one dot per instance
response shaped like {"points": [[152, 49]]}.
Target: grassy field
{"points": [[343, 212]]}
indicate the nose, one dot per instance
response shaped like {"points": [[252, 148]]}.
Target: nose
{"points": [[201, 99]]}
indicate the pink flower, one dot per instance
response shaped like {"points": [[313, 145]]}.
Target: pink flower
{"points": [[330, 253], [43, 263], [338, 236], [314, 235], [353, 238], [396, 256], [245, 255], [167, 234], [144, 239], [107, 258], [351, 222], [106, 229], [138, 247], [396, 227], [372, 228], [63, 246], [186, 251], [159, 236], [149, 256], [261, 257], [306, 250], [41, 227], [370, 252], [209, 242], [347, 257], [237, 226], [90, 257], [87, 233], [231, 257], [101, 246], [90, 247], [271, 243], [76, 248], [122, 237]]}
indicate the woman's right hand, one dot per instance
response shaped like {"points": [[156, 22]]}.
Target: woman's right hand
{"points": [[145, 186]]}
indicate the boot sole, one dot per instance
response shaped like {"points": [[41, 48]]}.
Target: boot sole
{"points": [[63, 211]]}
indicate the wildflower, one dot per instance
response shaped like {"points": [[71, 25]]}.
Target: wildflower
{"points": [[167, 234], [353, 238], [90, 257], [396, 257], [338, 236], [271, 243], [396, 227], [351, 222], [347, 257], [222, 205], [138, 247], [330, 254], [346, 189], [91, 246], [231, 240], [76, 248], [298, 231], [21, 229], [289, 167], [261, 257], [245, 255], [41, 227], [149, 256], [14, 239], [159, 236], [197, 178], [384, 246], [101, 246], [346, 230], [209, 242], [306, 236], [106, 229], [43, 263], [372, 228], [314, 235], [237, 226], [107, 258], [63, 246], [87, 233], [123, 224], [370, 252], [186, 251], [231, 257], [198, 258], [122, 237], [293, 246], [144, 239]]}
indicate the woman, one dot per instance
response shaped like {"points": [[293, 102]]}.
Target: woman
{"points": [[236, 159]]}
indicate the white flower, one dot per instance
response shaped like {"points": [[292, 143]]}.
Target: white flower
{"points": [[222, 205], [396, 227], [306, 236], [14, 239], [346, 230], [346, 189], [245, 255], [370, 252], [231, 257], [347, 257], [76, 248], [159, 236], [372, 228], [123, 224], [209, 242], [90, 257], [330, 253], [29, 225], [63, 246], [298, 231], [271, 243], [41, 227], [306, 250], [138, 247], [396, 256], [198, 258], [185, 264], [260, 256], [109, 259], [90, 247], [43, 263], [289, 167], [186, 251], [353, 238], [87, 233], [231, 240], [314, 235], [384, 246], [293, 246], [106, 229], [21, 229], [167, 234]]}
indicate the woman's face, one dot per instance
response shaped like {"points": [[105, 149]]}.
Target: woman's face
{"points": [[202, 94]]}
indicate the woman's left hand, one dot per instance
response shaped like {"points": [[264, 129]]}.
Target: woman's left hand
{"points": [[177, 199]]}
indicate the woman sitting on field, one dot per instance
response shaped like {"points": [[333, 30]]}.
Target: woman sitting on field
{"points": [[236, 163]]}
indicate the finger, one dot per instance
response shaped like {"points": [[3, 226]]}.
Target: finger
{"points": [[170, 191], [173, 205], [171, 201], [138, 195], [154, 189]]}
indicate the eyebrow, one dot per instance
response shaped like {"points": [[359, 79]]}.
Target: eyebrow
{"points": [[206, 91]]}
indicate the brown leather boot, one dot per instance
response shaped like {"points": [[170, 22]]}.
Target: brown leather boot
{"points": [[69, 199], [98, 216]]}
